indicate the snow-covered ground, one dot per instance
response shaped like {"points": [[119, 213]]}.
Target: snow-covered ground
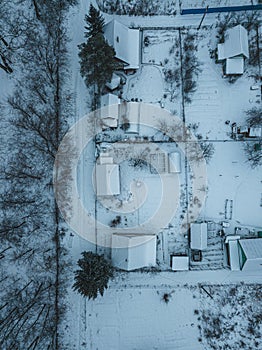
{"points": [[131, 314]]}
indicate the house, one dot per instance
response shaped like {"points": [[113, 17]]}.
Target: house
{"points": [[107, 177], [133, 251], [234, 50], [198, 236], [114, 82], [109, 110], [244, 254], [125, 41]]}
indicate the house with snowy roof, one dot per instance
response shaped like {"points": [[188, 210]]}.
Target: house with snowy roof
{"points": [[133, 251], [244, 254], [234, 50], [125, 41]]}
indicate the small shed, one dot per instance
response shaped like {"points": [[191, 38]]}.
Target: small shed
{"points": [[198, 236], [114, 83], [255, 132], [179, 263], [109, 112], [107, 177], [174, 162], [133, 251]]}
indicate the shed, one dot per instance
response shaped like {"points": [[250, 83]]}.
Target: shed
{"points": [[114, 83], [250, 253], [125, 41], [109, 112], [133, 251], [198, 236], [179, 263], [255, 132], [107, 177], [174, 162]]}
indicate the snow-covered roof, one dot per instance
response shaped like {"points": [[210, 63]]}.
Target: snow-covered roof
{"points": [[109, 111], [133, 116], [174, 162], [107, 178], [114, 83], [132, 251], [235, 65], [198, 236], [109, 99], [180, 263], [255, 132], [125, 41], [252, 247], [234, 255], [236, 43]]}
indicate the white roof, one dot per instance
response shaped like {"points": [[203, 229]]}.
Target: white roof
{"points": [[234, 255], [174, 162], [133, 116], [252, 247], [180, 263], [235, 65], [109, 99], [114, 83], [198, 236], [236, 43], [107, 179], [255, 132], [125, 42], [131, 251], [109, 110]]}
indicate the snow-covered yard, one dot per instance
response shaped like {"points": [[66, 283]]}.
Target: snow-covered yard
{"points": [[230, 177], [216, 100]]}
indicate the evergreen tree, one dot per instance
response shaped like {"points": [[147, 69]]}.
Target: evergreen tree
{"points": [[94, 21], [97, 61], [94, 275]]}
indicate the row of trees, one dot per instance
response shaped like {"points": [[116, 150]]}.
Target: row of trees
{"points": [[33, 262]]}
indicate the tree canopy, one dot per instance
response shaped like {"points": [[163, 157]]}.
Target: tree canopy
{"points": [[97, 61], [94, 22], [93, 276]]}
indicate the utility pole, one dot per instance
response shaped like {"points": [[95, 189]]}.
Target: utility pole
{"points": [[202, 19]]}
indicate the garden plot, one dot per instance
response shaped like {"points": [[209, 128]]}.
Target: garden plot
{"points": [[230, 317], [216, 100], [157, 45], [230, 178], [138, 318]]}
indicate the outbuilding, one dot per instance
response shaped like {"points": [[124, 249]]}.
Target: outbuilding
{"points": [[198, 236], [107, 177]]}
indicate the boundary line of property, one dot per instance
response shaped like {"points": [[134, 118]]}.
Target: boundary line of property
{"points": [[195, 11]]}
